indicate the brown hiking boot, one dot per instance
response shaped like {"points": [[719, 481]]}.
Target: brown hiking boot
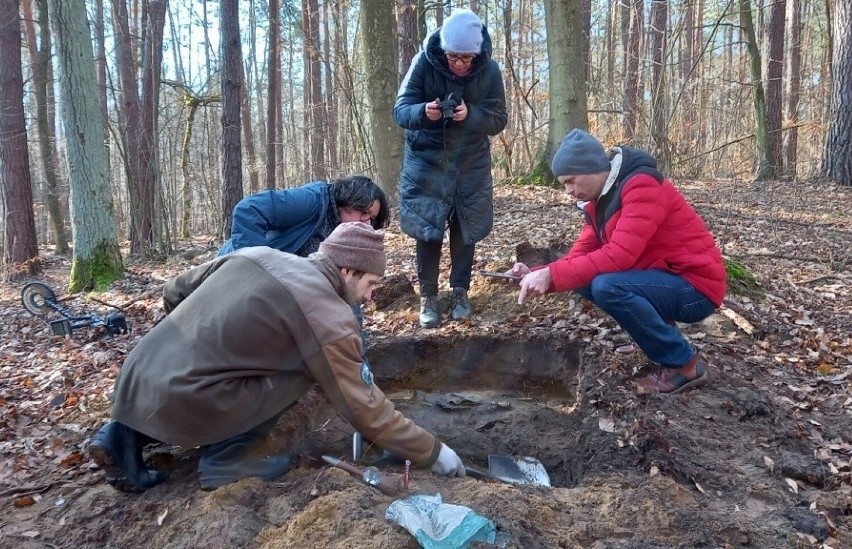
{"points": [[670, 381]]}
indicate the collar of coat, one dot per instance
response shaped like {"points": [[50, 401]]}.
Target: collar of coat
{"points": [[330, 270], [614, 168]]}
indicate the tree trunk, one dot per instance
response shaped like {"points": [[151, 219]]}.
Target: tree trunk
{"points": [[690, 52], [609, 39], [232, 86], [837, 156], [764, 165], [379, 47], [97, 258], [186, 187], [633, 78], [409, 42], [793, 87], [586, 14], [774, 73], [130, 117], [40, 59], [254, 87], [329, 99], [101, 60], [245, 120], [313, 81], [152, 62], [274, 70], [564, 22], [659, 112], [20, 248], [700, 91]]}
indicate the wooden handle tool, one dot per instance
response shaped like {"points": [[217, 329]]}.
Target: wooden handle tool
{"points": [[389, 485]]}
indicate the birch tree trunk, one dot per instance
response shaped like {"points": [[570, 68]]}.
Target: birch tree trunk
{"points": [[97, 258], [20, 247]]}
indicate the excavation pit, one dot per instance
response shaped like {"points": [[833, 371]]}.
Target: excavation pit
{"points": [[488, 395], [526, 368]]}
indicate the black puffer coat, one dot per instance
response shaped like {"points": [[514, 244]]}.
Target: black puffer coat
{"points": [[447, 164]]}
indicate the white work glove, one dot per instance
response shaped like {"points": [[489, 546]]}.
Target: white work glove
{"points": [[448, 464]]}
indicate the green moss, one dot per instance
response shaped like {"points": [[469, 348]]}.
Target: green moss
{"points": [[539, 176], [740, 280], [98, 271]]}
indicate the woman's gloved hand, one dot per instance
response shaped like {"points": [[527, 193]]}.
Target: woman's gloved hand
{"points": [[448, 464]]}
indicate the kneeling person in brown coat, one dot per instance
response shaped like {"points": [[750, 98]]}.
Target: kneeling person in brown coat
{"points": [[248, 334]]}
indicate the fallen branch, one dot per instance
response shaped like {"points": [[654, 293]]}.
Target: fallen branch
{"points": [[818, 279], [21, 491], [779, 255], [143, 295]]}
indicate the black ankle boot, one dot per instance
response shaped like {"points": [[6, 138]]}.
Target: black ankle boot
{"points": [[117, 449]]}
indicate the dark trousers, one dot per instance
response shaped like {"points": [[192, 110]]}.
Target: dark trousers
{"points": [[429, 261]]}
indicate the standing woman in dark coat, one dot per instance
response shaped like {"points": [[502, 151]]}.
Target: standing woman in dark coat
{"points": [[446, 176]]}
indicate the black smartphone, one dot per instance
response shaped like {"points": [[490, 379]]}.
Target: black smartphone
{"points": [[500, 275]]}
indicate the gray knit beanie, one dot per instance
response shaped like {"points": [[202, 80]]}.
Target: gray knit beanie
{"points": [[462, 32], [356, 246], [579, 154]]}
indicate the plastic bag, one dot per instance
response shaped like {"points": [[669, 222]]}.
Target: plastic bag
{"points": [[437, 525]]}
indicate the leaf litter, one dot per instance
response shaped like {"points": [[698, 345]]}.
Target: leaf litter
{"points": [[783, 360]]}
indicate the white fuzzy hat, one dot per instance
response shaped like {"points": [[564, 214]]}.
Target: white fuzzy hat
{"points": [[462, 32]]}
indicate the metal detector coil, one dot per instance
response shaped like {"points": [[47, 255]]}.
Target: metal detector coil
{"points": [[40, 300]]}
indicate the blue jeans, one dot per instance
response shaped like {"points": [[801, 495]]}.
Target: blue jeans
{"points": [[644, 302]]}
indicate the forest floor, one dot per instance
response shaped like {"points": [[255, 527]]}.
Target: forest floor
{"points": [[760, 456]]}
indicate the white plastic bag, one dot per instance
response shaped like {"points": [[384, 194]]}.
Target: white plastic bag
{"points": [[437, 525]]}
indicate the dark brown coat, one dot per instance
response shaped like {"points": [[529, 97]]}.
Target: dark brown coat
{"points": [[247, 335]]}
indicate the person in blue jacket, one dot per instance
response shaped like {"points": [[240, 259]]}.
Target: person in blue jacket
{"points": [[296, 220], [450, 104]]}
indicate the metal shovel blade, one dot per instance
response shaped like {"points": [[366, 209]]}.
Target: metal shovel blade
{"points": [[515, 470]]}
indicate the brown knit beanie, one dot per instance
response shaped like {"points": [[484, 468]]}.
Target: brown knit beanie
{"points": [[356, 246]]}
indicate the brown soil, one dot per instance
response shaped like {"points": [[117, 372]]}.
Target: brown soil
{"points": [[759, 457]]}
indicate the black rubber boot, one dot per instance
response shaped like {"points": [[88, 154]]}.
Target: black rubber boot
{"points": [[117, 449], [238, 457]]}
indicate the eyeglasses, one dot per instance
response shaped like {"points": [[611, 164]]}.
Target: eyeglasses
{"points": [[464, 59], [363, 216]]}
